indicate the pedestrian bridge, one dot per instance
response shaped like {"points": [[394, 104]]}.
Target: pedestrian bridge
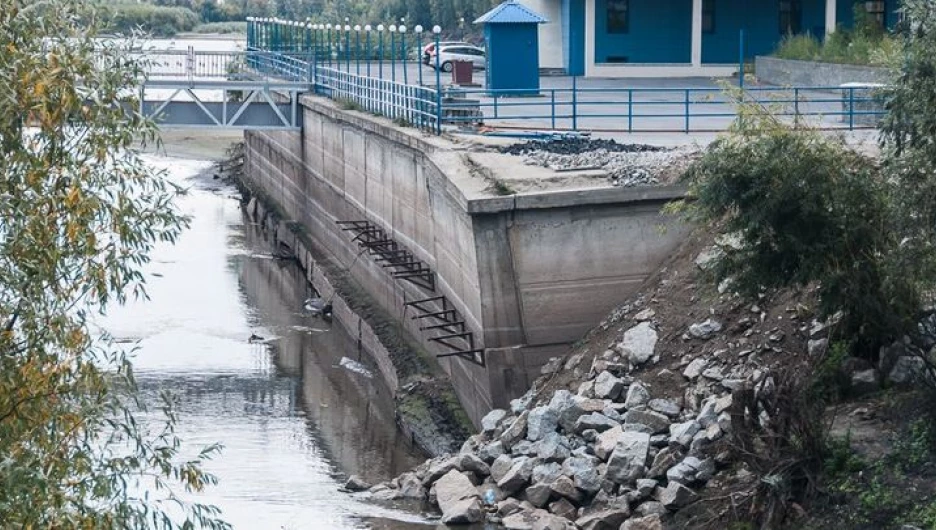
{"points": [[228, 90]]}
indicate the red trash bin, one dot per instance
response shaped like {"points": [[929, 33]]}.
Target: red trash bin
{"points": [[462, 72]]}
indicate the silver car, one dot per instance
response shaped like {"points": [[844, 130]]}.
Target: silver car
{"points": [[449, 54]]}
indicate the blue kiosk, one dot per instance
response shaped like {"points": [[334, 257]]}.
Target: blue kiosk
{"points": [[512, 42]]}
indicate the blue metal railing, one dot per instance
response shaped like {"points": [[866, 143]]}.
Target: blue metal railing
{"points": [[665, 109]]}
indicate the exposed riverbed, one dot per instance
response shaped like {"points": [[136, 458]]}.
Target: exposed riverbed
{"points": [[296, 411]]}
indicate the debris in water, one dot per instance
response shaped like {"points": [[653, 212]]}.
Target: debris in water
{"points": [[254, 338], [318, 306], [355, 367]]}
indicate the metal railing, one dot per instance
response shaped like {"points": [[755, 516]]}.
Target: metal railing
{"points": [[408, 104], [663, 109]]}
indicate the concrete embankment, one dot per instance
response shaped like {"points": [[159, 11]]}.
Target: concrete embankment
{"points": [[503, 281]]}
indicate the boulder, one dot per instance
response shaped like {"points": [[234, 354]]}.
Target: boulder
{"points": [[650, 522], [907, 369], [538, 494], [675, 496], [516, 431], [457, 498], [629, 458], [541, 422], [356, 483], [683, 433], [492, 420], [466, 511], [646, 314], [490, 451], [667, 407], [663, 460], [655, 421], [517, 476], [546, 473], [637, 396], [607, 519], [500, 467], [579, 406], [508, 506], [596, 421], [649, 508], [565, 488], [553, 448], [644, 487], [695, 368], [535, 520], [606, 442], [685, 471], [471, 463], [563, 508], [816, 347], [639, 343], [607, 386], [705, 330], [411, 487], [583, 472], [437, 470]]}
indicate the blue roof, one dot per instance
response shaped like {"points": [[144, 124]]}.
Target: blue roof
{"points": [[511, 12]]}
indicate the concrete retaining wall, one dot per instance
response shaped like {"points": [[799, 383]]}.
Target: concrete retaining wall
{"points": [[786, 72], [528, 273]]}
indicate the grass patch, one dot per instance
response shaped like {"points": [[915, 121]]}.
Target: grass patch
{"points": [[867, 44], [221, 28]]}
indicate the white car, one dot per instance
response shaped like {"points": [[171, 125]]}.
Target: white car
{"points": [[428, 49], [449, 54]]}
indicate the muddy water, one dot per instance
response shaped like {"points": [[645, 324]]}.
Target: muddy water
{"points": [[296, 411]]}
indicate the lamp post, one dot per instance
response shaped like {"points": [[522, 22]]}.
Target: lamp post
{"points": [[392, 53], [367, 53], [380, 29], [403, 53], [437, 30], [329, 45], [419, 46], [357, 49], [347, 45]]}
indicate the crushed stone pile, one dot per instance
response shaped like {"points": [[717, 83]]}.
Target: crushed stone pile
{"points": [[626, 164]]}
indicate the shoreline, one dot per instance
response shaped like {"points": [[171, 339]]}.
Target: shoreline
{"points": [[195, 144]]}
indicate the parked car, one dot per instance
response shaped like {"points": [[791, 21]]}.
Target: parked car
{"points": [[428, 49], [449, 54]]}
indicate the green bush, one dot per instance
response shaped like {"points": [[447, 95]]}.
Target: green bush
{"points": [[808, 211], [799, 47], [222, 27], [867, 44], [159, 21]]}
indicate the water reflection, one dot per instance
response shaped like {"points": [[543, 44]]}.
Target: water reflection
{"points": [[291, 418]]}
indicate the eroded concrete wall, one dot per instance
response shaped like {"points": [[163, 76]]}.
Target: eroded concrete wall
{"points": [[530, 274]]}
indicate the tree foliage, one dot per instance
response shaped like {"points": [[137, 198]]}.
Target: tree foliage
{"points": [[80, 214]]}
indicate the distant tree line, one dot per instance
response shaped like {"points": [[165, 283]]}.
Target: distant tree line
{"points": [[166, 17]]}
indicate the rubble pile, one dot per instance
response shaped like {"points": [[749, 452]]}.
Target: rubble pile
{"points": [[626, 164]]}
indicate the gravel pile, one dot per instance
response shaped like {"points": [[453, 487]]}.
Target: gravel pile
{"points": [[626, 164]]}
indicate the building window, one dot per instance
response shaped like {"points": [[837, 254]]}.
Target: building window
{"points": [[791, 15], [708, 16], [618, 16], [877, 10]]}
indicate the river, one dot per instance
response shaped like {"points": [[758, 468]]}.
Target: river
{"points": [[294, 414]]}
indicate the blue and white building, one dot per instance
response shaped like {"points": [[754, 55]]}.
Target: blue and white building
{"points": [[651, 38]]}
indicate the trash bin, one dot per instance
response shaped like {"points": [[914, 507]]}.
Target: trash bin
{"points": [[462, 72]]}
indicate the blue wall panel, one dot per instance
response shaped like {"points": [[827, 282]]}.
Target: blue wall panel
{"points": [[659, 32], [512, 56], [573, 36], [760, 20]]}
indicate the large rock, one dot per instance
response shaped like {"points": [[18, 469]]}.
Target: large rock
{"points": [[595, 421], [705, 330], [608, 519], [695, 368], [467, 511], [607, 441], [675, 496], [650, 522], [553, 448], [501, 466], [563, 508], [473, 464], [578, 407], [356, 483], [607, 386], [517, 476], [565, 488], [864, 382], [439, 469], [516, 431], [650, 508], [411, 487], [583, 472], [639, 343], [637, 396], [492, 420], [536, 520], [541, 422], [683, 433], [906, 370], [655, 421], [663, 460], [546, 473], [629, 458], [685, 471], [538, 494], [490, 451], [457, 498], [667, 407]]}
